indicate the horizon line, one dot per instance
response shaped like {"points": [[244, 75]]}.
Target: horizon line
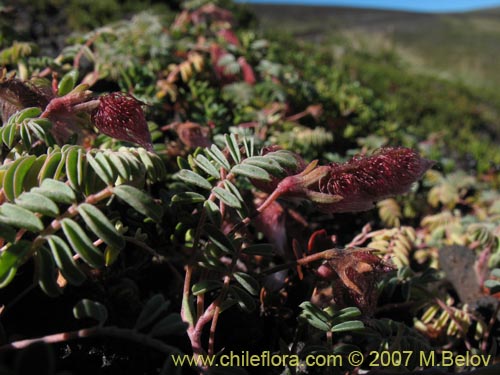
{"points": [[341, 4]]}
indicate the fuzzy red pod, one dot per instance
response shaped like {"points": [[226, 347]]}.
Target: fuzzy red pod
{"points": [[356, 185], [247, 71], [120, 115], [365, 180], [229, 36]]}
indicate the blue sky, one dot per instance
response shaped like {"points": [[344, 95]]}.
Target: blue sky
{"points": [[413, 5]]}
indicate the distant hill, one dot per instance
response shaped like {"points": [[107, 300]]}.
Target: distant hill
{"points": [[464, 46]]}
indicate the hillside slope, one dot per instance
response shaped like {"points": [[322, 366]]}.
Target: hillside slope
{"points": [[460, 46]]}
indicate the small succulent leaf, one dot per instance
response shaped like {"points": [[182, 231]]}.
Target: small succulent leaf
{"points": [[67, 82], [352, 325], [227, 197], [63, 256], [188, 198], [120, 164], [21, 171], [111, 254], [193, 178], [20, 217], [12, 258], [101, 226], [205, 286], [213, 212], [57, 191], [146, 160], [46, 273], [219, 239], [251, 171], [139, 201], [203, 163], [51, 166], [218, 156], [31, 178], [266, 163], [98, 168], [8, 179], [38, 203], [82, 244], [248, 283], [233, 147], [86, 308]]}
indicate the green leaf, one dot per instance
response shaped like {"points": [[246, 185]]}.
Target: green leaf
{"points": [[121, 165], [251, 171], [170, 325], [267, 163], [101, 226], [140, 201], [154, 308], [57, 191], [25, 135], [82, 244], [19, 217], [202, 162], [353, 325], [495, 272], [227, 197], [247, 282], [182, 163], [101, 171], [9, 134], [40, 127], [188, 198], [284, 158], [233, 147], [31, 179], [219, 239], [345, 314], [218, 156], [36, 202], [8, 179], [47, 273], [111, 255], [193, 178], [12, 258], [315, 316], [21, 172], [67, 82], [74, 167], [7, 277], [28, 113], [86, 308], [213, 213], [493, 285], [264, 249], [205, 286], [51, 166], [63, 257], [148, 163], [233, 189]]}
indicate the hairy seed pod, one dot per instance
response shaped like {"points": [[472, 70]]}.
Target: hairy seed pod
{"points": [[365, 180], [120, 115], [356, 185]]}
